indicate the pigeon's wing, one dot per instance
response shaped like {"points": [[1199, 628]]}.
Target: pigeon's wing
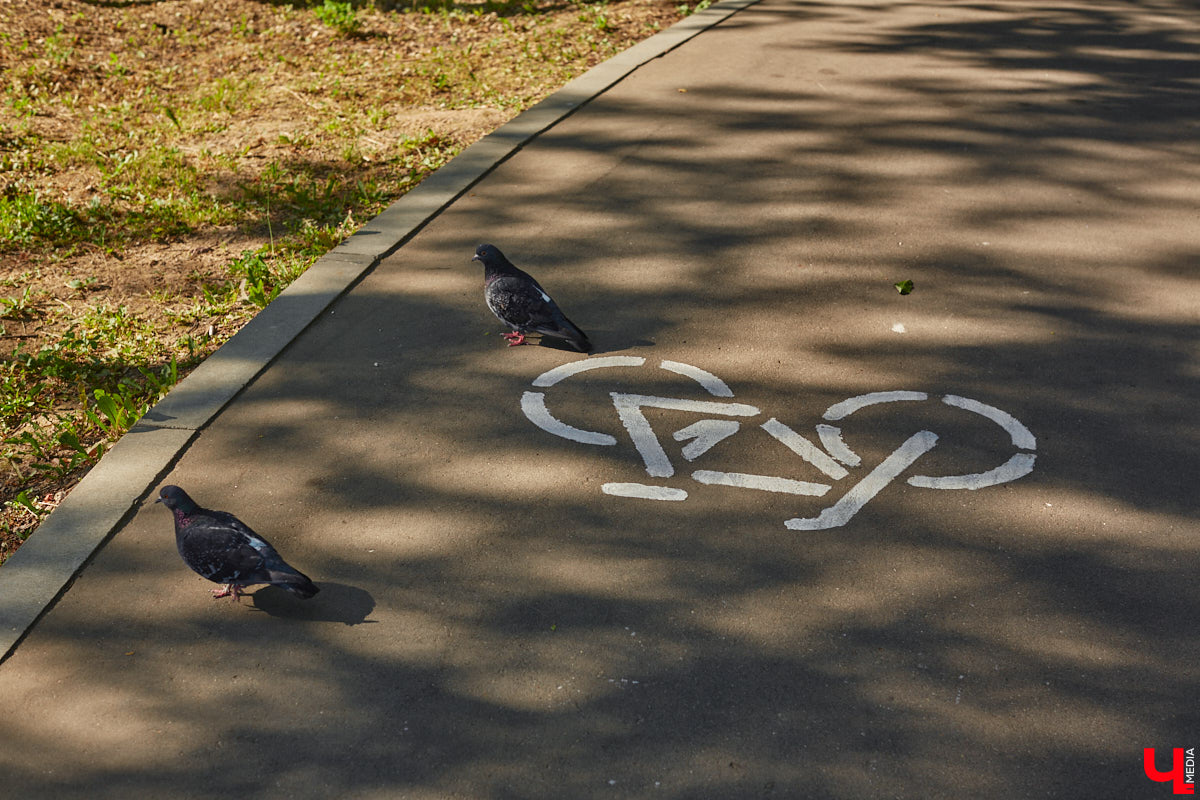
{"points": [[269, 566], [517, 301], [221, 551], [520, 302]]}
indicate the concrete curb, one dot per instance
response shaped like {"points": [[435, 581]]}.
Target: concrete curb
{"points": [[43, 568]]}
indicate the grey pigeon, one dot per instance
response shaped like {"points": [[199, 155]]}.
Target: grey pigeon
{"points": [[222, 548], [522, 304]]}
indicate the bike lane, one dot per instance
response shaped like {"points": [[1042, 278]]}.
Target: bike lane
{"points": [[787, 532]]}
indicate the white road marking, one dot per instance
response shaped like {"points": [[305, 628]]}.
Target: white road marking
{"points": [[643, 492], [766, 483], [534, 406], [702, 435], [711, 383], [629, 409], [831, 437], [861, 493], [805, 449], [1021, 436], [1020, 465], [848, 407], [682, 404], [553, 376], [705, 434]]}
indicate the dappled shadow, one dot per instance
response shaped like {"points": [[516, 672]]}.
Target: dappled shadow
{"points": [[534, 637]]}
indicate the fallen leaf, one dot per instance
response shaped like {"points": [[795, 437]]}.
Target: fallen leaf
{"points": [[904, 287]]}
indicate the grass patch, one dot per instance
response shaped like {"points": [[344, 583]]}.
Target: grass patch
{"points": [[340, 16], [148, 209]]}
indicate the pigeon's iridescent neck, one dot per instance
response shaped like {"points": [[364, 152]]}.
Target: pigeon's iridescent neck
{"points": [[181, 519]]}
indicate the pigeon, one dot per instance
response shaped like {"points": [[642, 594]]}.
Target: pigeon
{"points": [[222, 548], [522, 304]]}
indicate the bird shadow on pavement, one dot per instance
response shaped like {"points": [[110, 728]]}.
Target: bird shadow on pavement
{"points": [[337, 602], [618, 343], [608, 346], [603, 341]]}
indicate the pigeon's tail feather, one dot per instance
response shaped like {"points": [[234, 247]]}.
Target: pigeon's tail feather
{"points": [[565, 329], [295, 582], [303, 591], [579, 338], [580, 341]]}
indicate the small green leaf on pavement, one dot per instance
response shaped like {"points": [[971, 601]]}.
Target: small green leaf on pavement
{"points": [[904, 287]]}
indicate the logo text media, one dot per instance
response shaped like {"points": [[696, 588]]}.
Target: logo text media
{"points": [[1182, 773]]}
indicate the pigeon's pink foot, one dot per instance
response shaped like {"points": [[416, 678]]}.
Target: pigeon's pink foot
{"points": [[226, 590], [514, 338]]}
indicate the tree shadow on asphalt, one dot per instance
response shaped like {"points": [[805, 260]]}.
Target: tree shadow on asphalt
{"points": [[530, 642]]}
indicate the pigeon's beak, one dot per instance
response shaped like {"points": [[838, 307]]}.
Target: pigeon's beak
{"points": [[476, 258], [158, 500]]}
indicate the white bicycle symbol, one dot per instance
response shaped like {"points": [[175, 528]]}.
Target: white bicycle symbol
{"points": [[833, 461]]}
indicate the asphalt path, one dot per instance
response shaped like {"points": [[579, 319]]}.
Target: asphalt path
{"points": [[787, 532]]}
